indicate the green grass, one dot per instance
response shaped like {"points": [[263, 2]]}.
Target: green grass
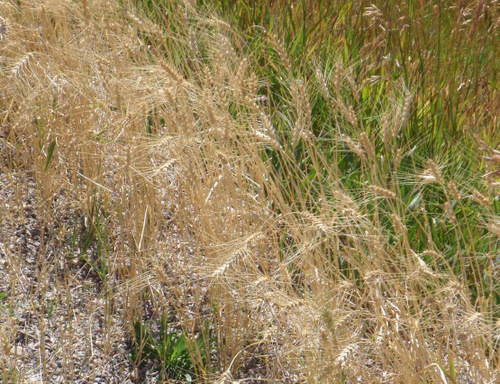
{"points": [[421, 53], [172, 350]]}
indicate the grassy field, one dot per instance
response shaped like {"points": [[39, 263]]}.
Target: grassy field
{"points": [[249, 191]]}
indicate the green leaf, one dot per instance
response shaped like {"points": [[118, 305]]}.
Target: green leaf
{"points": [[50, 153], [415, 201]]}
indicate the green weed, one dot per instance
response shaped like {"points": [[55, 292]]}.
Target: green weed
{"points": [[171, 349]]}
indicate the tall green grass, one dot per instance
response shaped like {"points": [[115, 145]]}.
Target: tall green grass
{"points": [[430, 64]]}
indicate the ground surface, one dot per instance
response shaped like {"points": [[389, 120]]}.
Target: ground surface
{"points": [[52, 303], [60, 324]]}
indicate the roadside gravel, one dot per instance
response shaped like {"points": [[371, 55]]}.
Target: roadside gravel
{"points": [[56, 323]]}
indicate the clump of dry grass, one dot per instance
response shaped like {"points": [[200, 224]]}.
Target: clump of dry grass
{"points": [[229, 210]]}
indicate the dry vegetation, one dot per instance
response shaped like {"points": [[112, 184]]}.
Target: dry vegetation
{"points": [[323, 216]]}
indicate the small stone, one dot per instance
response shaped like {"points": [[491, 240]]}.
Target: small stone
{"points": [[135, 375], [19, 351], [34, 232]]}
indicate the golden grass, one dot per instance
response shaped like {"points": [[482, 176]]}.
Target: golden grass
{"points": [[310, 279]]}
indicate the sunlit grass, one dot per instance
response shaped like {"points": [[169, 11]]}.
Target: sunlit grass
{"points": [[307, 177]]}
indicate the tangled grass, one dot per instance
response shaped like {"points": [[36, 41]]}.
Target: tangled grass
{"points": [[325, 190]]}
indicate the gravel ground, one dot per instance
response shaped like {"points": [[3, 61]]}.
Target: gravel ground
{"points": [[56, 324]]}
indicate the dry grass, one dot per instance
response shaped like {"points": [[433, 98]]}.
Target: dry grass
{"points": [[223, 208]]}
